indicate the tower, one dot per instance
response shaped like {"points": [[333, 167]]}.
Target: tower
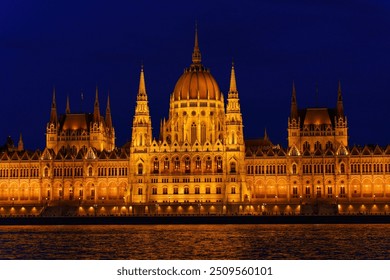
{"points": [[293, 120], [341, 126], [52, 125]]}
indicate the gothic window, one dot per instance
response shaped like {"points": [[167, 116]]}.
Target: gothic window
{"points": [[198, 163], [46, 172], [166, 164], [175, 190], [342, 168], [208, 163], [186, 190], [219, 190], [154, 191], [193, 133], [330, 191], [318, 191], [165, 190], [307, 191], [294, 169], [140, 169], [329, 145], [203, 133], [177, 164], [219, 165], [197, 190], [139, 191], [187, 165], [232, 167], [306, 146], [317, 145], [90, 171], [233, 190], [208, 190], [155, 165], [295, 192]]}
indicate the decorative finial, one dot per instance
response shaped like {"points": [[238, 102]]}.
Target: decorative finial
{"points": [[142, 87], [233, 84], [67, 110]]}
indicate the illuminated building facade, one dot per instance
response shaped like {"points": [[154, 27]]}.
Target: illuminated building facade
{"points": [[199, 164]]}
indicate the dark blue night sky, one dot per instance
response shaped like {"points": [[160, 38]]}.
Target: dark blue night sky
{"points": [[76, 45]]}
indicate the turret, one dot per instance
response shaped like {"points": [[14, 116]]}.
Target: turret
{"points": [[53, 112], [96, 109]]}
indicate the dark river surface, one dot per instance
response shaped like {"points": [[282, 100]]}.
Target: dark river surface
{"points": [[195, 242]]}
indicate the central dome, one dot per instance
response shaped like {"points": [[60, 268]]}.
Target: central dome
{"points": [[196, 81]]}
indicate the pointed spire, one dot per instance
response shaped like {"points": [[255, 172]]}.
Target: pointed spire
{"points": [[96, 109], [233, 84], [53, 113], [20, 143], [196, 56], [108, 113], [294, 106], [265, 134], [142, 88], [340, 107], [67, 110]]}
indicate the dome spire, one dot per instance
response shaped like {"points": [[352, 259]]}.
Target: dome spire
{"points": [[196, 56]]}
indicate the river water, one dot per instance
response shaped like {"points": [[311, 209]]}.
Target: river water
{"points": [[195, 242]]}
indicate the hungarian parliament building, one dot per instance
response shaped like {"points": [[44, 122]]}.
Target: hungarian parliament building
{"points": [[200, 164]]}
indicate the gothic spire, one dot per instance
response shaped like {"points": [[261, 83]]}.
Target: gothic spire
{"points": [[53, 113], [233, 84], [196, 56], [340, 107], [142, 88], [20, 143], [108, 113], [67, 110], [294, 106], [96, 109]]}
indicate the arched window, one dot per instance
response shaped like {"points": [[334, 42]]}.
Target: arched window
{"points": [[177, 164], [317, 145], [219, 165], [208, 163], [294, 169], [203, 133], [166, 164], [198, 163], [90, 171], [232, 167], [306, 146], [342, 168], [329, 145], [46, 172], [187, 165], [193, 133], [140, 169], [155, 165]]}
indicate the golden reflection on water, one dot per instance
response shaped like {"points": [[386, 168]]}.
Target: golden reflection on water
{"points": [[195, 242]]}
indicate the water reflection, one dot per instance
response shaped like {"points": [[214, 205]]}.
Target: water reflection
{"points": [[196, 242]]}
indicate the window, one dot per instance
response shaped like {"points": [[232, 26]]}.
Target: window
{"points": [[155, 165], [330, 191], [165, 190], [177, 164], [233, 190], [342, 168], [186, 190], [219, 190], [342, 191], [318, 191], [140, 191], [232, 167], [166, 164], [208, 163], [197, 190], [198, 163], [208, 190], [219, 164], [307, 191], [154, 191], [203, 133], [294, 169], [193, 133], [175, 190], [306, 146], [187, 165], [295, 192], [140, 169]]}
